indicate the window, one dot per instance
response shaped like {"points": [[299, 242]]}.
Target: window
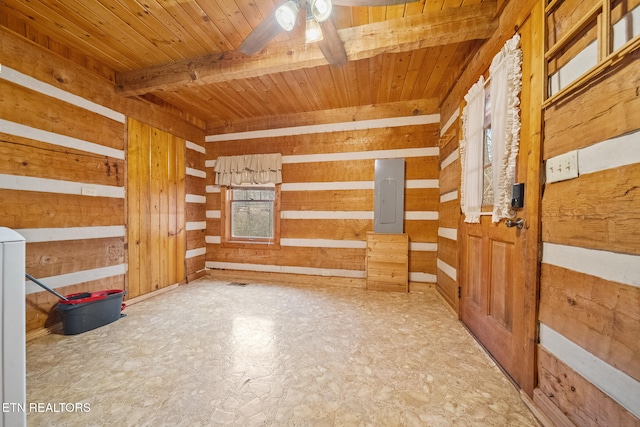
{"points": [[251, 214]]}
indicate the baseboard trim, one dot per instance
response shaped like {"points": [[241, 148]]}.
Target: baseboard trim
{"points": [[143, 297], [549, 411], [287, 278]]}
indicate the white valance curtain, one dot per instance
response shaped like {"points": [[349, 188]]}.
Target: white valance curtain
{"points": [[249, 169], [506, 84]]}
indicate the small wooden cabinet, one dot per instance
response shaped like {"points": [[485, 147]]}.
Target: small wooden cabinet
{"points": [[387, 262]]}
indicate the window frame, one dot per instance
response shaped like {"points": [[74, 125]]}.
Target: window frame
{"points": [[226, 217]]}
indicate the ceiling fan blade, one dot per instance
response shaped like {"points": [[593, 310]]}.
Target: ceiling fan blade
{"points": [[366, 3], [331, 45], [266, 31]]}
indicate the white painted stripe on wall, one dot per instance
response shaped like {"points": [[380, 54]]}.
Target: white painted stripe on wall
{"points": [[213, 214], [326, 215], [210, 163], [324, 243], [448, 197], [196, 225], [421, 215], [422, 277], [54, 92], [195, 198], [362, 155], [35, 235], [195, 147], [448, 233], [311, 271], [196, 172], [447, 269], [331, 127], [612, 266], [213, 188], [192, 253], [319, 186], [423, 247], [75, 278], [16, 129], [450, 159], [29, 183], [212, 240], [353, 185], [619, 386], [449, 122], [422, 183], [612, 153]]}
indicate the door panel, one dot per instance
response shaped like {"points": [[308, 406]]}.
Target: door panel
{"points": [[501, 285], [155, 200], [489, 299]]}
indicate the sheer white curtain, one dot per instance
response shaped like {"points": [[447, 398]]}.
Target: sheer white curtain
{"points": [[471, 153], [249, 169], [506, 84]]}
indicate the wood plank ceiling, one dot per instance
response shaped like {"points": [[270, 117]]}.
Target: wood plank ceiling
{"points": [[182, 52]]}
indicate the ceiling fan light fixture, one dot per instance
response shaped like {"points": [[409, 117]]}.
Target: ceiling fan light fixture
{"points": [[313, 32], [320, 9], [287, 14]]}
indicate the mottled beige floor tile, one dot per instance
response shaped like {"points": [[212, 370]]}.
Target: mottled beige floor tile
{"points": [[264, 355]]}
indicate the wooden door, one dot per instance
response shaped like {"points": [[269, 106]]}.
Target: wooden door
{"points": [[492, 292], [155, 202], [499, 273]]}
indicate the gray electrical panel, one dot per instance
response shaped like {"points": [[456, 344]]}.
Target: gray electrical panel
{"points": [[388, 211]]}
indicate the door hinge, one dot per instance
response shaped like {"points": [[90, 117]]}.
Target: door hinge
{"points": [[459, 292]]}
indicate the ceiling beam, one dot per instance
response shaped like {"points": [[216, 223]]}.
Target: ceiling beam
{"points": [[453, 25]]}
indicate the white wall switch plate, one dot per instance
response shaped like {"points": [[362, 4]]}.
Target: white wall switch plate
{"points": [[562, 167]]}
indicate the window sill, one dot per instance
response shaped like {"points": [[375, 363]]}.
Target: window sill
{"points": [[248, 244]]}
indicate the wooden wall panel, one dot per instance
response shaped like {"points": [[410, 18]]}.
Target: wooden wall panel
{"points": [[195, 212], [450, 214], [313, 257], [448, 251], [195, 240], [579, 400], [25, 106], [450, 177], [27, 157], [608, 109], [327, 200], [599, 210], [599, 315], [421, 199], [390, 138], [32, 209], [593, 217], [195, 185], [44, 259], [337, 229]]}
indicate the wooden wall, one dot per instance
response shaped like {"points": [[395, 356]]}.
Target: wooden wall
{"points": [[327, 196], [450, 216], [589, 351], [63, 164]]}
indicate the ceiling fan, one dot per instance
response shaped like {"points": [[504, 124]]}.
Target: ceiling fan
{"points": [[318, 26]]}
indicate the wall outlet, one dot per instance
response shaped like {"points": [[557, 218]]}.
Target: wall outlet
{"points": [[562, 167], [89, 191]]}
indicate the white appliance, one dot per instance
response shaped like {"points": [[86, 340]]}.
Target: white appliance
{"points": [[12, 327]]}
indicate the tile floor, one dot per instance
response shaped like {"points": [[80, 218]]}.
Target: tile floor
{"points": [[210, 353]]}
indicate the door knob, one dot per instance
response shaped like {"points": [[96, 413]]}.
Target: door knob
{"points": [[518, 223]]}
